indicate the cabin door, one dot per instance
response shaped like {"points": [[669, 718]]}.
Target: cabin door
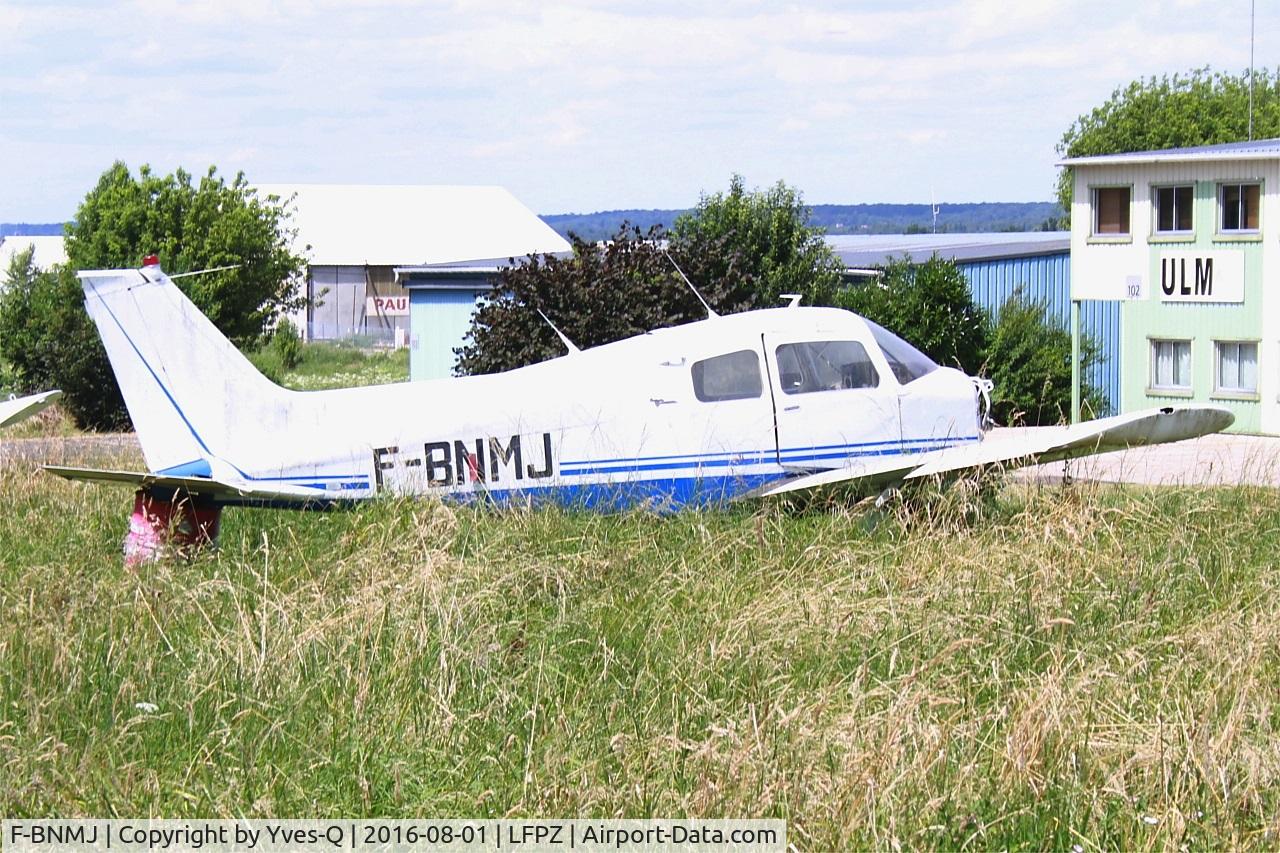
{"points": [[830, 403]]}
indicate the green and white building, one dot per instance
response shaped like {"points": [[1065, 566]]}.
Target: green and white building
{"points": [[1187, 240]]}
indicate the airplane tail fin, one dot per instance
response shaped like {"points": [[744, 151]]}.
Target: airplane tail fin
{"points": [[188, 389]]}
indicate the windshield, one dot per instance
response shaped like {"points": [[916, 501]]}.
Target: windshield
{"points": [[906, 362]]}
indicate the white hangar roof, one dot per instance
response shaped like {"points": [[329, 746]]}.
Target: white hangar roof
{"points": [[48, 250], [347, 224]]}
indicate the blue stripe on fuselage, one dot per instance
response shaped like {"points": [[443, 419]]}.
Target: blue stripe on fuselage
{"points": [[791, 456]]}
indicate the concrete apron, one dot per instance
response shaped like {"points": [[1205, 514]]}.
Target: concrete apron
{"points": [[1213, 460]]}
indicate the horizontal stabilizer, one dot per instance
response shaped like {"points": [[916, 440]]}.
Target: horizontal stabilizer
{"points": [[218, 490], [12, 411]]}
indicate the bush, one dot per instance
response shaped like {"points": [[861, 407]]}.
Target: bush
{"points": [[929, 305], [9, 379], [286, 342], [1025, 353], [267, 362], [1029, 360], [600, 294]]}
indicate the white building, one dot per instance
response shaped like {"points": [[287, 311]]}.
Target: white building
{"points": [[1186, 240], [356, 236], [49, 251]]}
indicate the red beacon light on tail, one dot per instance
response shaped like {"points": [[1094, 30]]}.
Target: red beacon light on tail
{"points": [[151, 261]]}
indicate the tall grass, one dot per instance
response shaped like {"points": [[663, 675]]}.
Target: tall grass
{"points": [[1045, 668]]}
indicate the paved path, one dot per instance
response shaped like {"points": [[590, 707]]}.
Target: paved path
{"points": [[1220, 459]]}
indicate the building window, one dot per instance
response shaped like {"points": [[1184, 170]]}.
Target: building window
{"points": [[1171, 365], [1237, 367], [735, 376], [1239, 204], [1111, 211], [1173, 209]]}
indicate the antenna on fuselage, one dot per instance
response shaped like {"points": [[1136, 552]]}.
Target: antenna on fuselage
{"points": [[568, 343], [793, 299], [710, 313]]}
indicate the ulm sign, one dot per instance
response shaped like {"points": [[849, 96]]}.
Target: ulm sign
{"points": [[1202, 277]]}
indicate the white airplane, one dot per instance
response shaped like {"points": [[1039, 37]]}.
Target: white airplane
{"points": [[732, 407], [17, 409]]}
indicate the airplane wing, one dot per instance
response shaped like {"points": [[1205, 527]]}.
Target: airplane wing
{"points": [[219, 490], [12, 411], [1029, 446]]}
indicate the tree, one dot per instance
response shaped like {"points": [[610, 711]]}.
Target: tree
{"points": [[601, 293], [1201, 107], [741, 249], [192, 227], [1029, 363], [46, 334], [930, 305], [755, 246], [48, 342]]}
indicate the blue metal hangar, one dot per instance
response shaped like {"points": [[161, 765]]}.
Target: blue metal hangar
{"points": [[1036, 263]]}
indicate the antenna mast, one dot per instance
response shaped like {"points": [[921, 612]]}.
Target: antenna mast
{"points": [[202, 272], [561, 335], [710, 313], [1252, 4]]}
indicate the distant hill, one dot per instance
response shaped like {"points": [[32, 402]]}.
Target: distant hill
{"points": [[984, 216], [604, 224], [31, 229]]}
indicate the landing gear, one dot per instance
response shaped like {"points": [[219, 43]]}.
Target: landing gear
{"points": [[178, 523]]}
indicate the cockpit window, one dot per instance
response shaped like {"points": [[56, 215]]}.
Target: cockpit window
{"points": [[906, 362], [825, 366], [734, 376]]}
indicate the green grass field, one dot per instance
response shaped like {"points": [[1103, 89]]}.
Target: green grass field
{"points": [[1050, 667], [334, 365], [323, 365]]}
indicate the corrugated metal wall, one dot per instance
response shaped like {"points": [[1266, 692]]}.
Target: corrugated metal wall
{"points": [[440, 319], [338, 309], [1047, 278]]}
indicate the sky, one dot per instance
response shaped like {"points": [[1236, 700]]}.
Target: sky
{"points": [[584, 106]]}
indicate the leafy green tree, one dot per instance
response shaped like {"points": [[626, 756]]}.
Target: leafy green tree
{"points": [[1201, 107], [741, 249], [1029, 362], [191, 226], [755, 246], [47, 340], [930, 305]]}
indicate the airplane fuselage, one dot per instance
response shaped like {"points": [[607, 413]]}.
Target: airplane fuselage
{"points": [[695, 414]]}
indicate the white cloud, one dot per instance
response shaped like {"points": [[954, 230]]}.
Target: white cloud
{"points": [[584, 104]]}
